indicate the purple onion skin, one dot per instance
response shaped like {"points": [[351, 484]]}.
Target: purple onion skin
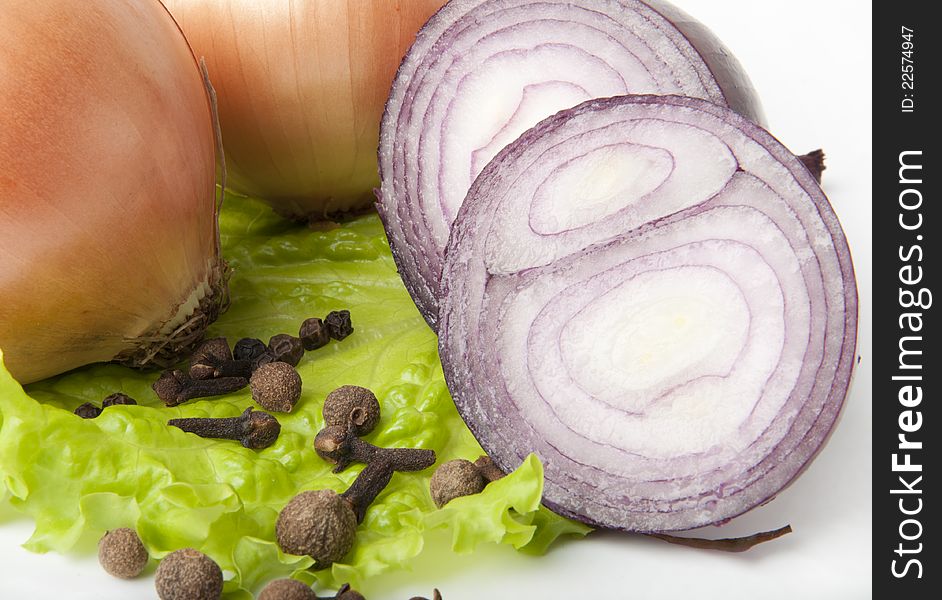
{"points": [[737, 89], [471, 333], [419, 255]]}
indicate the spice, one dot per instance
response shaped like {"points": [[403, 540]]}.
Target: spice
{"points": [[436, 595], [286, 348], [175, 387], [87, 410], [276, 386], [188, 574], [122, 554], [117, 399], [207, 356], [341, 446], [235, 368], [254, 429], [354, 405], [287, 589], [347, 593], [211, 350], [248, 349], [460, 477], [488, 469], [322, 524], [338, 324], [313, 334]]}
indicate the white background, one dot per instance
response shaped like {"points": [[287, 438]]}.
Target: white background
{"points": [[810, 62]]}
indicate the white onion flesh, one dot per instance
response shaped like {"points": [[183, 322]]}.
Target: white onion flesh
{"points": [[484, 71], [677, 353]]}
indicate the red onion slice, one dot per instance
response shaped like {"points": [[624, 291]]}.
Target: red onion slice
{"points": [[481, 72], [654, 295]]}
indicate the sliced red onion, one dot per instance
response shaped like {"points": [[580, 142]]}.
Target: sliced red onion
{"points": [[654, 295], [481, 72]]}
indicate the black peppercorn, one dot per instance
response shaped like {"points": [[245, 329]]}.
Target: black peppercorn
{"points": [[87, 410], [249, 349], [313, 334], [338, 324], [117, 399], [286, 348]]}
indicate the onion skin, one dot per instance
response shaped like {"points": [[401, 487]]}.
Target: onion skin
{"points": [[734, 83], [571, 52], [636, 465], [108, 232], [301, 88]]}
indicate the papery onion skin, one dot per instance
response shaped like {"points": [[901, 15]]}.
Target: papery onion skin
{"points": [[108, 232], [656, 455], [612, 47], [301, 88]]}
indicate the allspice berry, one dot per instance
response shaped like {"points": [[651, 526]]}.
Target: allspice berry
{"points": [[287, 589], [320, 524], [352, 405], [454, 479], [188, 574], [276, 386], [349, 594], [122, 554]]}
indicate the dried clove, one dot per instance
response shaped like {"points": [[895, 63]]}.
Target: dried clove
{"points": [[117, 399], [341, 446], [286, 348], [87, 410], [122, 554], [276, 386], [188, 574], [254, 429], [352, 404], [313, 334], [175, 387], [338, 324], [460, 477]]}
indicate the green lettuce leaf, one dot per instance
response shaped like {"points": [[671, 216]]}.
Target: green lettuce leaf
{"points": [[126, 468]]}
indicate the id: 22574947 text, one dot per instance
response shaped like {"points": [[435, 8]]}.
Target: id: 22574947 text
{"points": [[907, 70]]}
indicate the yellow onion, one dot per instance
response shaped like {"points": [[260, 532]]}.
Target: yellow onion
{"points": [[301, 88], [108, 230]]}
